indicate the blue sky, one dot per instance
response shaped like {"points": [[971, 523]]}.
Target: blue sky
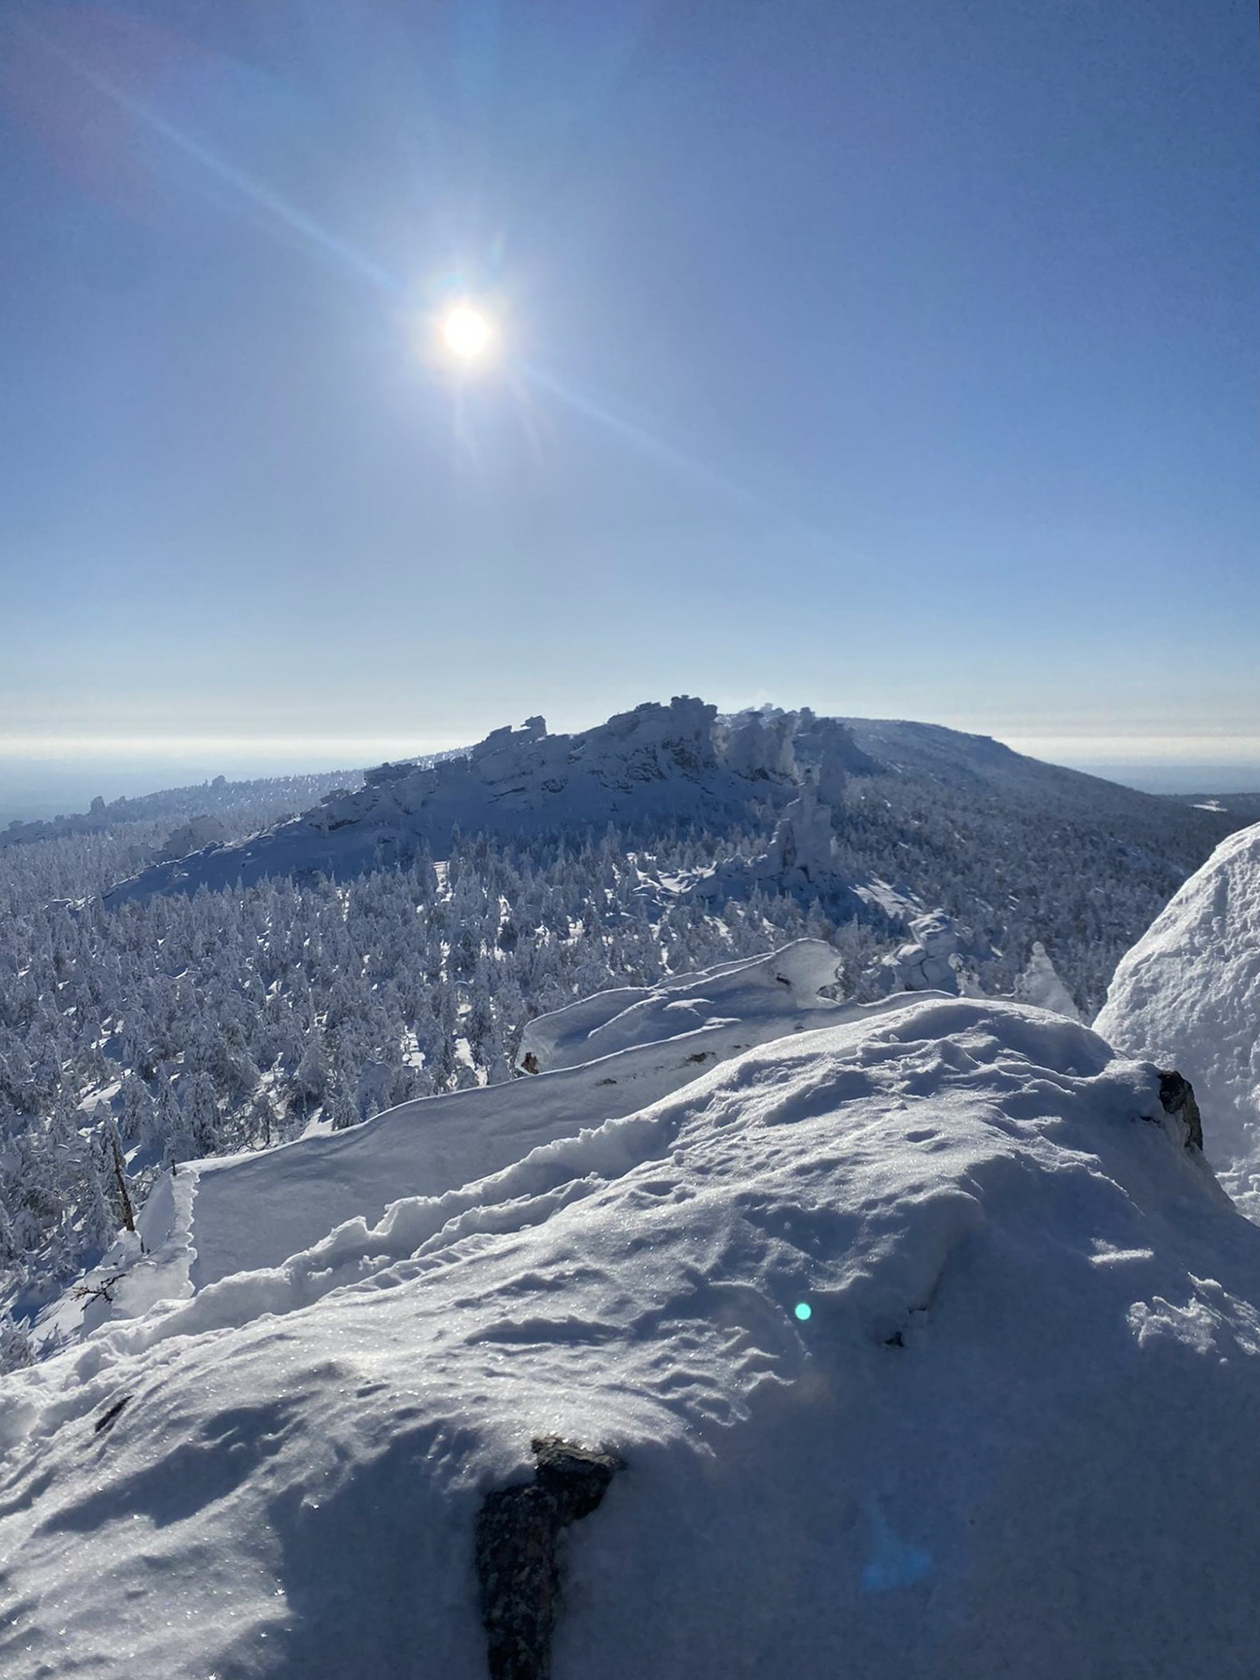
{"points": [[894, 359]]}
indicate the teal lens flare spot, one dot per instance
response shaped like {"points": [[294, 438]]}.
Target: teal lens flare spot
{"points": [[804, 1311]]}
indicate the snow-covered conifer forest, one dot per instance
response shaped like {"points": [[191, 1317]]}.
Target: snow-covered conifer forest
{"points": [[204, 972]]}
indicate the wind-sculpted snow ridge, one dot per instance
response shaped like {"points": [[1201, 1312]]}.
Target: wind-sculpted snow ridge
{"points": [[1189, 993], [928, 1347], [769, 996], [613, 1053]]}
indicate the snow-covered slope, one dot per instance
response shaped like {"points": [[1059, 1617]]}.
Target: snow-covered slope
{"points": [[978, 762], [1189, 992], [928, 1348]]}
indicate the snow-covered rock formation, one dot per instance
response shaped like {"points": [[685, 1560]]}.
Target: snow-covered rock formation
{"points": [[802, 858], [655, 762], [1189, 993], [938, 956], [927, 1347], [193, 836], [800, 861]]}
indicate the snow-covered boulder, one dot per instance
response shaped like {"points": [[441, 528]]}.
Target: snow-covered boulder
{"points": [[939, 956], [924, 1344], [1189, 993]]}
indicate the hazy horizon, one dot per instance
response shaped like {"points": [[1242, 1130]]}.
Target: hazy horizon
{"points": [[39, 787]]}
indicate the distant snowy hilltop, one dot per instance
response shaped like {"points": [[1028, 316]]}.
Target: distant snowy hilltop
{"points": [[679, 763], [915, 1341], [657, 762]]}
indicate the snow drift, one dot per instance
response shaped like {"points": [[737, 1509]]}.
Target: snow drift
{"points": [[610, 1054], [766, 997], [928, 1347], [1189, 992]]}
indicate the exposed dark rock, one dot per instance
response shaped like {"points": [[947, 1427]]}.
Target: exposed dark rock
{"points": [[516, 1553], [1176, 1097], [109, 1418]]}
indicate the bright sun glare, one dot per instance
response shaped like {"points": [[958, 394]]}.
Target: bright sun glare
{"points": [[467, 332]]}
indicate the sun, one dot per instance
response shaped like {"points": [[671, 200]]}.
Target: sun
{"points": [[466, 332]]}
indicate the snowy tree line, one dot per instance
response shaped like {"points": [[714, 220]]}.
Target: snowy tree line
{"points": [[234, 1020]]}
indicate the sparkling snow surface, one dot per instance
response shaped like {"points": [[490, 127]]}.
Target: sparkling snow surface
{"points": [[1016, 1433], [1188, 994]]}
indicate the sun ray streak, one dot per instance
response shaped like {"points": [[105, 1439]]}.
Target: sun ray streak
{"points": [[257, 192], [688, 465], [642, 440]]}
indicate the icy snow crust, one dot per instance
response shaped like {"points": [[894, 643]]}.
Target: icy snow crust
{"points": [[1188, 993], [1018, 1434]]}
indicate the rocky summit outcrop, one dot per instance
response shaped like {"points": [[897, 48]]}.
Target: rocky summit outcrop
{"points": [[655, 763]]}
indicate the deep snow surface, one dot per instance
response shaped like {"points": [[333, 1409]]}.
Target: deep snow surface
{"points": [[1018, 1433]]}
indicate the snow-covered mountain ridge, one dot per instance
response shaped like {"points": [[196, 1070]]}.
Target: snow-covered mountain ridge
{"points": [[267, 796], [927, 1346], [656, 764]]}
